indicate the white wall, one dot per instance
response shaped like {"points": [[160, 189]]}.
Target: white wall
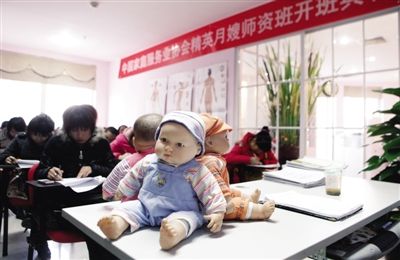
{"points": [[126, 101]]}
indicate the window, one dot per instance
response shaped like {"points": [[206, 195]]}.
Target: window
{"points": [[320, 104], [28, 99]]}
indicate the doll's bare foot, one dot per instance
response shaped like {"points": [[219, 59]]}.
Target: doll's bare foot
{"points": [[171, 233], [112, 226], [255, 196], [263, 211]]}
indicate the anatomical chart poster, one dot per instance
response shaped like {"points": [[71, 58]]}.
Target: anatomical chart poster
{"points": [[179, 93], [156, 94], [210, 90]]}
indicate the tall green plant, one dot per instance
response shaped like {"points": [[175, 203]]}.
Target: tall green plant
{"points": [[389, 133], [282, 80]]}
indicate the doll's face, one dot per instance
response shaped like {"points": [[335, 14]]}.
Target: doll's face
{"points": [[176, 145], [218, 143]]}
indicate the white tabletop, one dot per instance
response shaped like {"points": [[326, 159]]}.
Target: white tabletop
{"points": [[286, 235]]}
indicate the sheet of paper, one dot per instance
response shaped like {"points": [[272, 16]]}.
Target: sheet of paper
{"points": [[82, 184], [25, 164]]}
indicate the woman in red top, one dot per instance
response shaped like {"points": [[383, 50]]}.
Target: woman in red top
{"points": [[253, 149]]}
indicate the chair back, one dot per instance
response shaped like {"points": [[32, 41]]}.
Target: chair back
{"points": [[29, 202]]}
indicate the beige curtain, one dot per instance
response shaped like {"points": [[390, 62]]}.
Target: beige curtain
{"points": [[24, 67]]}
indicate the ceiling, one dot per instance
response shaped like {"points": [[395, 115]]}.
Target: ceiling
{"points": [[113, 30]]}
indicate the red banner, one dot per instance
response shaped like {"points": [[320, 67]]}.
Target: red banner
{"points": [[266, 21]]}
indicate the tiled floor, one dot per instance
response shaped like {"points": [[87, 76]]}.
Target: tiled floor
{"points": [[18, 247]]}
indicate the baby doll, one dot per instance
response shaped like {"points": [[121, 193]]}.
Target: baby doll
{"points": [[240, 206], [174, 190]]}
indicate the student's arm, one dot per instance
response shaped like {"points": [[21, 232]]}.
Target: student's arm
{"points": [[106, 161]]}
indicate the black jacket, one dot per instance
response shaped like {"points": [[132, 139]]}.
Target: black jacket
{"points": [[22, 147], [62, 152]]}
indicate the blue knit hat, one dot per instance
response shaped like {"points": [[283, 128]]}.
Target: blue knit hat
{"points": [[190, 120]]}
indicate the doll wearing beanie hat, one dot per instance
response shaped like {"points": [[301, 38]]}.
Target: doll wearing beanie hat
{"points": [[170, 186], [239, 206]]}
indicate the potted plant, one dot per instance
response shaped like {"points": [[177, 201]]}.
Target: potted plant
{"points": [[282, 79], [388, 162], [389, 134]]}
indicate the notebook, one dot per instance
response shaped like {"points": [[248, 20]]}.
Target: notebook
{"points": [[317, 206], [296, 176]]}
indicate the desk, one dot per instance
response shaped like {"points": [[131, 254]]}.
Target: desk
{"points": [[286, 235]]}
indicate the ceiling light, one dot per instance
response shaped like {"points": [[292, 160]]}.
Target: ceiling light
{"points": [[65, 39], [371, 58]]}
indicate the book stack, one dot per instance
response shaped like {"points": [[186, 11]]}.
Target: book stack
{"points": [[296, 176], [310, 163], [306, 172]]}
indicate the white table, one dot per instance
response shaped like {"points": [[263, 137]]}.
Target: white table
{"points": [[286, 235]]}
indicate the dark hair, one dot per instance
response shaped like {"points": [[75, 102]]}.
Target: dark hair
{"points": [[263, 139], [112, 129], [79, 117], [16, 123], [41, 124], [145, 126], [4, 124], [121, 128]]}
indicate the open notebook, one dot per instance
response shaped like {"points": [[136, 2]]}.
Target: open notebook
{"points": [[318, 206]]}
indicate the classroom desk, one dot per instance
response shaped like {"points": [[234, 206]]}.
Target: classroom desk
{"points": [[286, 235]]}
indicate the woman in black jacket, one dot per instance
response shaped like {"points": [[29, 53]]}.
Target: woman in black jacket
{"points": [[78, 150]]}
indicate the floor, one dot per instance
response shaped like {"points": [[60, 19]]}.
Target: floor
{"points": [[18, 248]]}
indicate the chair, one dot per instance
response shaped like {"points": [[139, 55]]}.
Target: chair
{"points": [[59, 236], [15, 202]]}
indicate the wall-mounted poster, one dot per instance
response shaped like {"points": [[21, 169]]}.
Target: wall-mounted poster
{"points": [[210, 89], [179, 93], [156, 95]]}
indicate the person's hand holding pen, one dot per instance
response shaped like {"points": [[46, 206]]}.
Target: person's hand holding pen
{"points": [[55, 174]]}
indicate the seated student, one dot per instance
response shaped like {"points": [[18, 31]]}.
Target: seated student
{"points": [[144, 131], [15, 126], [188, 189], [3, 136], [122, 146], [252, 149], [110, 133], [78, 150], [122, 128], [28, 146], [240, 206]]}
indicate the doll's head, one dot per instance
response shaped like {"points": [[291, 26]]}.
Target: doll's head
{"points": [[261, 142], [217, 140], [180, 137]]}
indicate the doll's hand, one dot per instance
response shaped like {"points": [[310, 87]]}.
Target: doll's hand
{"points": [[215, 221], [84, 172]]}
